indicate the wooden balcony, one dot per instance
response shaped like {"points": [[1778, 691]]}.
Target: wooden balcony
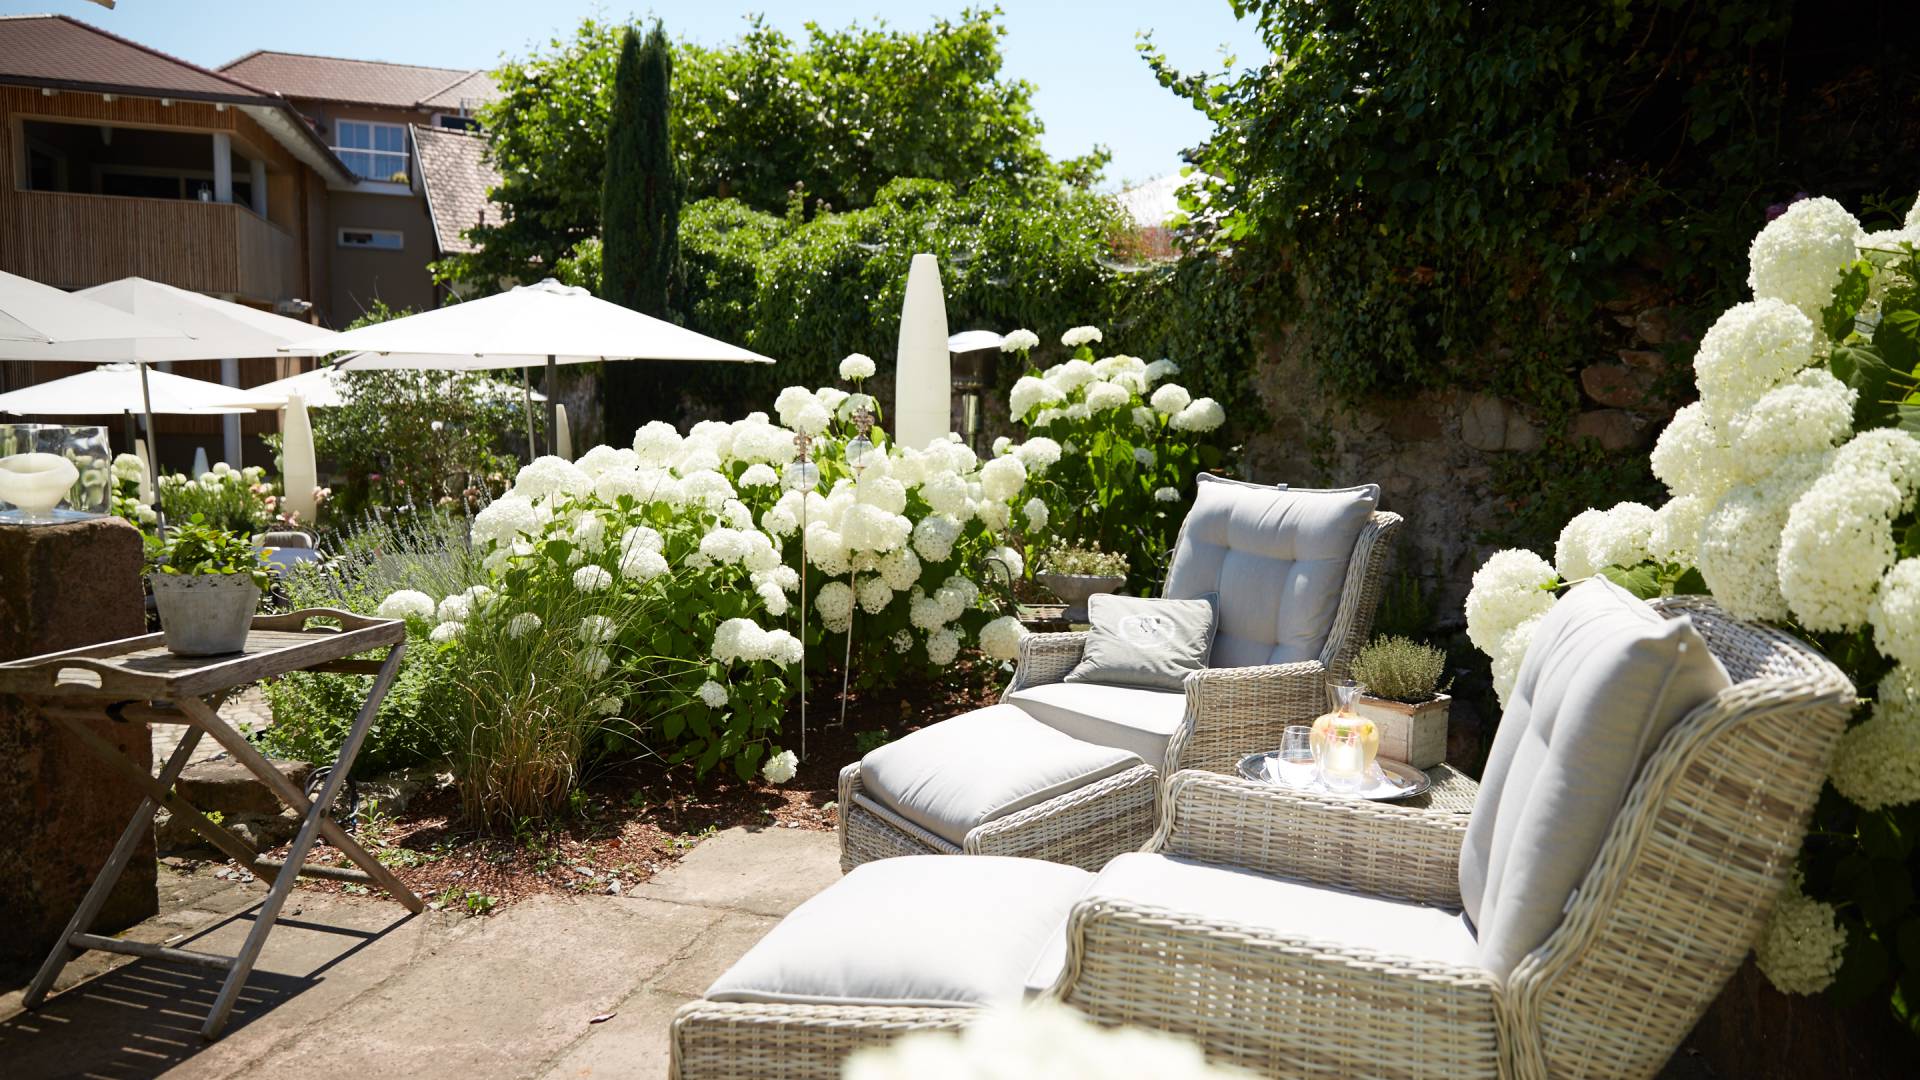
{"points": [[73, 241]]}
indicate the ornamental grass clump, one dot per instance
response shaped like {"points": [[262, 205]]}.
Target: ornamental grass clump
{"points": [[1400, 669], [1794, 499]]}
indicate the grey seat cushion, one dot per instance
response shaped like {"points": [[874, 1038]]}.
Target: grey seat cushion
{"points": [[1604, 679], [981, 766], [1127, 718], [1136, 641], [1276, 557], [922, 930], [1284, 908]]}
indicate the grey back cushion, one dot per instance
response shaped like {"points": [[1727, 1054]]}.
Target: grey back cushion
{"points": [[1604, 679], [1135, 641], [1276, 558]]}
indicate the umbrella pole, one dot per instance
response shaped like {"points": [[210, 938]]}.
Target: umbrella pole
{"points": [[526, 407], [153, 451], [553, 403]]}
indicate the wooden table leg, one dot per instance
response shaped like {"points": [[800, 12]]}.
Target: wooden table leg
{"points": [[310, 830], [102, 887]]}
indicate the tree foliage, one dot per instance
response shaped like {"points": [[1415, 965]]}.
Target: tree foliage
{"points": [[753, 119]]}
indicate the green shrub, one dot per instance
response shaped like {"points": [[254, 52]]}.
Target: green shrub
{"points": [[312, 714], [1400, 669]]}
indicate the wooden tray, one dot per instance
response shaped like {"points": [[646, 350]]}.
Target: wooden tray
{"points": [[142, 668]]}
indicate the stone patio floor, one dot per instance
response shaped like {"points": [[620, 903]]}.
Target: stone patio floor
{"points": [[355, 987]]}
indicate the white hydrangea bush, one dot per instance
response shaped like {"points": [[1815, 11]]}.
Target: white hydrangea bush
{"points": [[1794, 499], [1113, 447]]}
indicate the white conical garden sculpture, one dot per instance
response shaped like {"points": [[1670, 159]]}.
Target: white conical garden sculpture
{"points": [[299, 473], [923, 378]]}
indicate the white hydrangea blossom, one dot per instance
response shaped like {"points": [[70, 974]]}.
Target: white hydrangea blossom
{"points": [[780, 768], [1021, 340], [506, 519], [1809, 413], [1750, 349], [1071, 375], [935, 536], [1800, 948], [549, 475], [523, 624], [1037, 453], [714, 695], [996, 516], [1161, 369], [1799, 256], [1675, 536], [656, 442], [642, 565], [1691, 456], [1170, 398], [1601, 538], [1102, 395], [591, 578], [1835, 546], [447, 631], [943, 645], [925, 612], [1887, 452], [1739, 545], [1894, 613], [1510, 588], [1145, 418], [1002, 478], [592, 661], [1203, 415], [875, 594], [1877, 762], [1080, 335], [857, 366], [759, 474], [1016, 565], [802, 411], [596, 629], [1166, 494], [1030, 393], [1036, 512], [1002, 445], [835, 601], [455, 608], [899, 568], [1000, 639], [744, 640], [406, 604], [602, 458]]}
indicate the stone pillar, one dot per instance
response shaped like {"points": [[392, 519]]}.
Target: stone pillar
{"points": [[63, 586]]}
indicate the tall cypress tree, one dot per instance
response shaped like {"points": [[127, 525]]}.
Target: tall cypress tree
{"points": [[639, 218]]}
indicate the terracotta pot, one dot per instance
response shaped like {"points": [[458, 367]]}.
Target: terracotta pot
{"points": [[1074, 589], [205, 614]]}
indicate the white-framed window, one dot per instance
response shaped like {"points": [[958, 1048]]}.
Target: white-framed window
{"points": [[374, 151], [374, 239]]}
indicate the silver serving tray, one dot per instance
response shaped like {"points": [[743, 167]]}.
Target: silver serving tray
{"points": [[1397, 779]]}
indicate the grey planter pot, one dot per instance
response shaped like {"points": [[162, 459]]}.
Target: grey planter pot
{"points": [[1074, 589], [205, 614]]}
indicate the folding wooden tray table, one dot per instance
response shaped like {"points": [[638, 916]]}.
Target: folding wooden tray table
{"points": [[136, 680]]}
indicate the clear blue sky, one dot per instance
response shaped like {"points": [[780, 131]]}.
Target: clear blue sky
{"points": [[1091, 86]]}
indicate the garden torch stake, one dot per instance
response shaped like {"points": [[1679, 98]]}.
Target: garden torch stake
{"points": [[858, 448]]}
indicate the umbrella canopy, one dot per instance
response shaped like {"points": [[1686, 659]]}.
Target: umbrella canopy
{"points": [[34, 316], [115, 388], [321, 390], [923, 382], [192, 327], [525, 327]]}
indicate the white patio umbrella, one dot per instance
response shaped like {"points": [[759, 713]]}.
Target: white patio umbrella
{"points": [[546, 323], [923, 380], [117, 388], [321, 388], [171, 324]]}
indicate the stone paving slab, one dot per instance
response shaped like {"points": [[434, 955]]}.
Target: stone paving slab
{"points": [[438, 995]]}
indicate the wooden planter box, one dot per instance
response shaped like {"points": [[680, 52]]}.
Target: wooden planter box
{"points": [[1415, 734]]}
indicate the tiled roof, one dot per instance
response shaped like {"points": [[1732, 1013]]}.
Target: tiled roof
{"points": [[466, 93], [357, 82], [54, 50], [455, 172]]}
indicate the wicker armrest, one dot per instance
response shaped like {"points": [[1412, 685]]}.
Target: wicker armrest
{"points": [[1236, 711], [1369, 847], [1046, 658], [1279, 1004]]}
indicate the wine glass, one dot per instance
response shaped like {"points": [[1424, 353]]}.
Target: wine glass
{"points": [[1295, 765]]}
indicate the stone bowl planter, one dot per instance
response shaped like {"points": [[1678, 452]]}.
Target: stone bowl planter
{"points": [[205, 614], [1073, 590], [1415, 734]]}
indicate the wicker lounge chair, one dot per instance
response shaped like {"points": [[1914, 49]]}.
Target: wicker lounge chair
{"points": [[1298, 575], [1228, 929]]}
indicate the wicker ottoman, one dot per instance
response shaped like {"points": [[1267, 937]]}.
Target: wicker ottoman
{"points": [[996, 781], [896, 946]]}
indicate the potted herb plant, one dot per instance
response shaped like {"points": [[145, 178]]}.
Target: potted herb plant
{"points": [[206, 585], [1401, 692], [1074, 573]]}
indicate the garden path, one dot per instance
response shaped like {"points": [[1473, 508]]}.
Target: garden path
{"points": [[354, 987]]}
